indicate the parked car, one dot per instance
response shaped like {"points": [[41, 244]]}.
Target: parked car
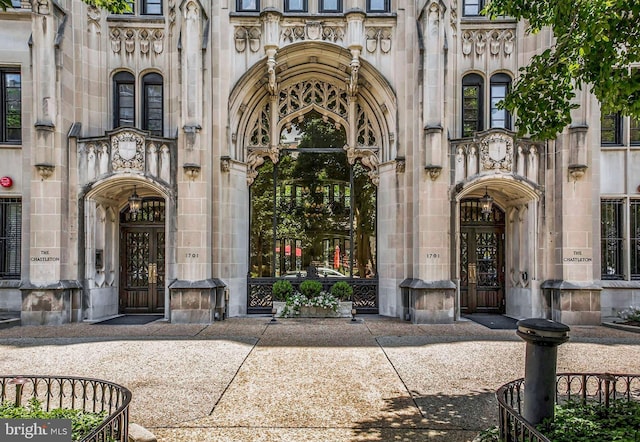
{"points": [[323, 272]]}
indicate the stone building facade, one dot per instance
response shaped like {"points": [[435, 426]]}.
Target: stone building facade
{"points": [[131, 144]]}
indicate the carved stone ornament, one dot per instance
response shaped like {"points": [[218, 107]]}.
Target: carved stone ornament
{"points": [[45, 170], [496, 152], [191, 170], [433, 170], [127, 150], [401, 164], [225, 163], [368, 157], [577, 171], [255, 159]]}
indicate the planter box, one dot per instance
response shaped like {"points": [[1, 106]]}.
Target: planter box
{"points": [[344, 311]]}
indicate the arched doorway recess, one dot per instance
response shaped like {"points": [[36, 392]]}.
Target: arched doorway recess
{"points": [[313, 82]]}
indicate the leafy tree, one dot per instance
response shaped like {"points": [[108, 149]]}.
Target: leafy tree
{"points": [[113, 6], [595, 43]]}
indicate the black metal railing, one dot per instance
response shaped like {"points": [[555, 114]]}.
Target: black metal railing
{"points": [[586, 387], [364, 298], [86, 394]]}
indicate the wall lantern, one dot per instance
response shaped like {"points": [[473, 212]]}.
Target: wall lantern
{"points": [[135, 202], [486, 203]]}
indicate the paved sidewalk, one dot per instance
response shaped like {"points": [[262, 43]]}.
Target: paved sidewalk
{"points": [[245, 379]]}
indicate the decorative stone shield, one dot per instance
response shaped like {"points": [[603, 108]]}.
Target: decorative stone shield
{"points": [[314, 30], [127, 151]]}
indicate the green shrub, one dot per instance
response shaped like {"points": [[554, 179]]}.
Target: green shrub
{"points": [[310, 288], [281, 290], [342, 290], [82, 422], [578, 422]]}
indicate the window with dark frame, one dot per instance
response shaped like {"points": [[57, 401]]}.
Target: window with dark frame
{"points": [[152, 104], [378, 6], [248, 5], [330, 6], [634, 237], [634, 131], [10, 237], [151, 7], [472, 116], [124, 100], [472, 8], [295, 6], [611, 129], [16, 4], [500, 84], [611, 239], [10, 106]]}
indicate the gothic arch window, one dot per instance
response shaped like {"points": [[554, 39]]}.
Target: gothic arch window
{"points": [[152, 104], [124, 92], [472, 102], [500, 85]]}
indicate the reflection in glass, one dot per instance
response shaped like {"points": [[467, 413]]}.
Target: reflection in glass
{"points": [[313, 208]]}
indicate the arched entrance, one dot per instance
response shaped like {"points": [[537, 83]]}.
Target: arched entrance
{"points": [[482, 256], [142, 258], [276, 95], [313, 210]]}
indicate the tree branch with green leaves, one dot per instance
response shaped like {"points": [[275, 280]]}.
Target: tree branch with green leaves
{"points": [[596, 44]]}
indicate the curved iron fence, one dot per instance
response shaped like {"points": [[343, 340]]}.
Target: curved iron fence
{"points": [[86, 394], [586, 387]]}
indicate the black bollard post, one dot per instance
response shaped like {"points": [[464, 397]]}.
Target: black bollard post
{"points": [[542, 337]]}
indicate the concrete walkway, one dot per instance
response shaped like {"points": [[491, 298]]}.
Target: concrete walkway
{"points": [[245, 379]]}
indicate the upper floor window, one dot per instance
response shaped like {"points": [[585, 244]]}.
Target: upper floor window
{"points": [[378, 5], [295, 6], [124, 99], [151, 7], [152, 104], [145, 7], [472, 117], [611, 129], [10, 106], [634, 131], [330, 6], [500, 84], [248, 5], [17, 4], [10, 237], [473, 8]]}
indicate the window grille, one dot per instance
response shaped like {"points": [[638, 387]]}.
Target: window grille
{"points": [[10, 237]]}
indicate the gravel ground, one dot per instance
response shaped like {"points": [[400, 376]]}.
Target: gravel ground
{"points": [[245, 379]]}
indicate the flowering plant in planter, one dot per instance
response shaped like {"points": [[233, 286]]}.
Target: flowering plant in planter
{"points": [[297, 301]]}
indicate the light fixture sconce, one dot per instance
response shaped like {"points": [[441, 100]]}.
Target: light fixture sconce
{"points": [[191, 170], [135, 202], [577, 171], [45, 170], [434, 171], [486, 203]]}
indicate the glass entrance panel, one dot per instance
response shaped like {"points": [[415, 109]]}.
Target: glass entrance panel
{"points": [[312, 211]]}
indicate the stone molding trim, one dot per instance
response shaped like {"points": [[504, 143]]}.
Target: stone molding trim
{"points": [[496, 42], [145, 40]]}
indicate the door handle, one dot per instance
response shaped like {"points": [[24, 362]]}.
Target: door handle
{"points": [[471, 271], [153, 273]]}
